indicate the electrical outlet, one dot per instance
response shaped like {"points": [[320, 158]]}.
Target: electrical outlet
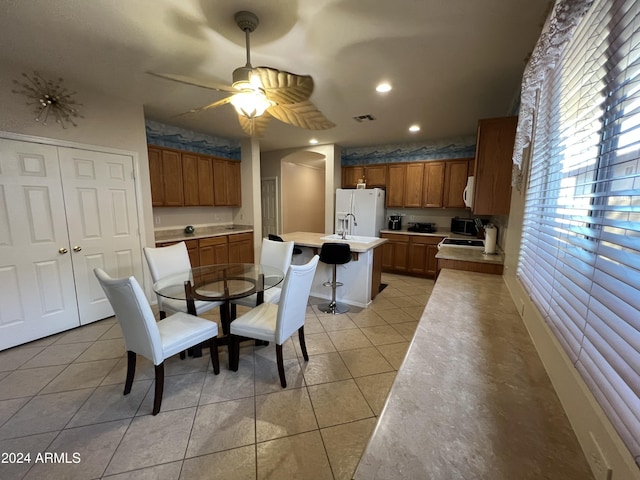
{"points": [[599, 465], [157, 220]]}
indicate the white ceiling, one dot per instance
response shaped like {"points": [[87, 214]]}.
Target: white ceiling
{"points": [[450, 62]]}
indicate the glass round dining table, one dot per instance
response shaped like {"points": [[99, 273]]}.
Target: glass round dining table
{"points": [[219, 283]]}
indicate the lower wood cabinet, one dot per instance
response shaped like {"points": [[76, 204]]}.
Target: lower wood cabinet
{"points": [[410, 254], [395, 253], [234, 248], [241, 248]]}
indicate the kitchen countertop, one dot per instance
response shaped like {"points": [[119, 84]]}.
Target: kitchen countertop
{"points": [[314, 240], [470, 255], [472, 398], [178, 235]]}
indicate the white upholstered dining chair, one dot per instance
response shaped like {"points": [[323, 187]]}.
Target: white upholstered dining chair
{"points": [[273, 254], [277, 322], [168, 261], [155, 341]]}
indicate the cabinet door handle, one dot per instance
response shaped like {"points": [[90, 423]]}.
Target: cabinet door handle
{"points": [[62, 250], [77, 248]]}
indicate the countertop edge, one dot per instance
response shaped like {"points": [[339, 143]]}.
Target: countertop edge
{"points": [[213, 231]]}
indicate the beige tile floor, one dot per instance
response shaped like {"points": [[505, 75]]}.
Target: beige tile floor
{"points": [[63, 395]]}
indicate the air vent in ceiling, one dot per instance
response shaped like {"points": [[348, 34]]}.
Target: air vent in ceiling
{"points": [[364, 118]]}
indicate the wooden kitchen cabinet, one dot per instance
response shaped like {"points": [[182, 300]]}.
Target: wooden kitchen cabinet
{"points": [[395, 253], [241, 248], [410, 254], [413, 185], [227, 187], [455, 181], [375, 176], [396, 176], [214, 250], [197, 175], [493, 165], [433, 184], [165, 171]]}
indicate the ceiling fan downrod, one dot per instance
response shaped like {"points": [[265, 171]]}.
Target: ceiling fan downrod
{"points": [[247, 22]]}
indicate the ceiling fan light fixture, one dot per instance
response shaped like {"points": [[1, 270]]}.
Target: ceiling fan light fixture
{"points": [[250, 103]]}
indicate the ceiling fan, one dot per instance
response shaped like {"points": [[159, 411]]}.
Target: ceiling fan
{"points": [[260, 93]]}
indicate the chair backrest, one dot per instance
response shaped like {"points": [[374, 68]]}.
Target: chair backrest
{"points": [[165, 261], [275, 238], [292, 307], [276, 254], [134, 314]]}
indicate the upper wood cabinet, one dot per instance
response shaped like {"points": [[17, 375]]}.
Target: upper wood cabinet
{"points": [[396, 177], [181, 178], [413, 184], [428, 184], [165, 170], [375, 176], [493, 164], [227, 188], [456, 174], [197, 176], [433, 184]]}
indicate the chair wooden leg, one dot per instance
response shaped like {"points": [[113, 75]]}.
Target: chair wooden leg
{"points": [[131, 371], [283, 380], [303, 345], [157, 401], [213, 351], [183, 355], [234, 352]]}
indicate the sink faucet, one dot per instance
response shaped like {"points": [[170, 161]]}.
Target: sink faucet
{"points": [[355, 222]]}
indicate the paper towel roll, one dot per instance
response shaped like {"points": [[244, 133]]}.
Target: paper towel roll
{"points": [[490, 234]]}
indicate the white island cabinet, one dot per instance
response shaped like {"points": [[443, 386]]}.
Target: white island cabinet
{"points": [[360, 277]]}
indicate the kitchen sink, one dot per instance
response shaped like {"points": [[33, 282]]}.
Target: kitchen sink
{"points": [[350, 238]]}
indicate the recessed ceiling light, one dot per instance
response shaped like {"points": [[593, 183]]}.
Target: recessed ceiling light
{"points": [[383, 88], [414, 128], [313, 141]]}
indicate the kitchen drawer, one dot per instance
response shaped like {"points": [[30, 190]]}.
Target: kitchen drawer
{"points": [[211, 241], [396, 237], [426, 240], [240, 237]]}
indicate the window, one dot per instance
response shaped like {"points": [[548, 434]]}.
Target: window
{"points": [[580, 252]]}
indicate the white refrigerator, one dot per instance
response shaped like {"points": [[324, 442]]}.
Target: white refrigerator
{"points": [[360, 211]]}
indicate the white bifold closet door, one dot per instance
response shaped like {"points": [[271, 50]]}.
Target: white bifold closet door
{"points": [[63, 212]]}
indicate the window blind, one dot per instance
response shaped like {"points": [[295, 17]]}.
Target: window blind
{"points": [[580, 252]]}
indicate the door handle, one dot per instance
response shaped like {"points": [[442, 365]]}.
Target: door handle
{"points": [[62, 250], [77, 248]]}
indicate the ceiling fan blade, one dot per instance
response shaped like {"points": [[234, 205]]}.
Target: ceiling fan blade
{"points": [[303, 114], [191, 81], [285, 87], [218, 103], [254, 126]]}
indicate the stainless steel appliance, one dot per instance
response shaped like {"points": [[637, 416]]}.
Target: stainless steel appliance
{"points": [[463, 226], [395, 222], [422, 227]]}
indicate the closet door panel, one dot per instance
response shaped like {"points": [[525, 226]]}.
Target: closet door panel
{"points": [[37, 296]]}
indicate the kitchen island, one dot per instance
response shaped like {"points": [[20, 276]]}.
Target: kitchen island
{"points": [[360, 277]]}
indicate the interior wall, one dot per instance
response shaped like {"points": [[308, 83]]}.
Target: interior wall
{"points": [[587, 418], [303, 199], [108, 122], [270, 166]]}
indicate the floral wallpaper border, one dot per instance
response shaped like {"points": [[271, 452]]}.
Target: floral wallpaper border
{"points": [[169, 136], [459, 147]]}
